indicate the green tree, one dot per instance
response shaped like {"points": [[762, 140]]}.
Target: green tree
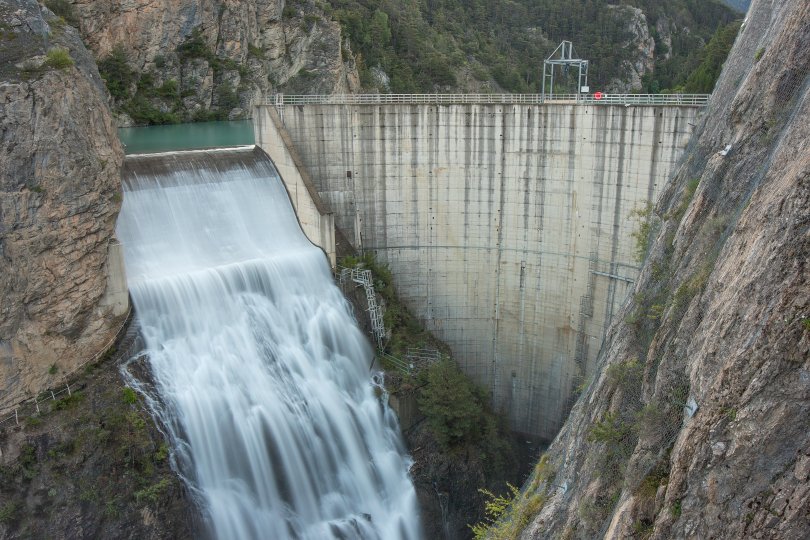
{"points": [[452, 404], [703, 79], [115, 71], [380, 31]]}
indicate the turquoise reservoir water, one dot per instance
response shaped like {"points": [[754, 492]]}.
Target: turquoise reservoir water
{"points": [[151, 139]]}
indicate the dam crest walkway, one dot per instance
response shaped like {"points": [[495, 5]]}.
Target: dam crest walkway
{"points": [[676, 100]]}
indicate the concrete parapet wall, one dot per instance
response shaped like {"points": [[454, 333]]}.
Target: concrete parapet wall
{"points": [[116, 296], [316, 220], [506, 227]]}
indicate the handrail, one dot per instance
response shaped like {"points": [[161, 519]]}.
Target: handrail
{"points": [[31, 403], [402, 366], [363, 277], [689, 100]]}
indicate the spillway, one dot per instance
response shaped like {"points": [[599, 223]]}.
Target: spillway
{"points": [[262, 374]]}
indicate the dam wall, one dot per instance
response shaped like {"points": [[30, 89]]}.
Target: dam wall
{"points": [[313, 214], [508, 227]]}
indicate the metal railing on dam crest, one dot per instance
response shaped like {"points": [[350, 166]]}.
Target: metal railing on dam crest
{"points": [[682, 100]]}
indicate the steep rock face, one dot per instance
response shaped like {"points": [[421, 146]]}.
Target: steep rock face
{"points": [[59, 196], [697, 424], [222, 55], [642, 46]]}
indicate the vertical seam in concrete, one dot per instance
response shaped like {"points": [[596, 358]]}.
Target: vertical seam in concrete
{"points": [[504, 116], [656, 151], [525, 365], [382, 185], [614, 246]]}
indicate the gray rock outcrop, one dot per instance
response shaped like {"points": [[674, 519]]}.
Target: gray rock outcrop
{"points": [[642, 47], [222, 56], [59, 197]]}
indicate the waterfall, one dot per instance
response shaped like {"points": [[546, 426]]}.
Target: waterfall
{"points": [[262, 374]]}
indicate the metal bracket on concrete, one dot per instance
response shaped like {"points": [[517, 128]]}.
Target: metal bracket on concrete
{"points": [[613, 276]]}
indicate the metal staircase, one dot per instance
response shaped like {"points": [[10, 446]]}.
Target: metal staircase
{"points": [[364, 278]]}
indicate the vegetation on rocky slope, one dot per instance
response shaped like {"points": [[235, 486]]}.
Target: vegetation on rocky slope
{"points": [[90, 464], [703, 78], [447, 44], [210, 66]]}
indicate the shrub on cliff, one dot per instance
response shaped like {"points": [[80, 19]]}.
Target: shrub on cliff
{"points": [[458, 414], [64, 9], [452, 405], [58, 58], [116, 72]]}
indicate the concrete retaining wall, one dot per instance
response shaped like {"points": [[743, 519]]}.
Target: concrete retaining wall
{"points": [[116, 296], [506, 227]]}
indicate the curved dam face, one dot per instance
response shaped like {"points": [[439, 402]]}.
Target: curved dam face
{"points": [[507, 228]]}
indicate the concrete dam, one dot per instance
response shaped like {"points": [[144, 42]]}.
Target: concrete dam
{"points": [[507, 226]]}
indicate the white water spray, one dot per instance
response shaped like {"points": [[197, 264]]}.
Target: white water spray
{"points": [[262, 373]]}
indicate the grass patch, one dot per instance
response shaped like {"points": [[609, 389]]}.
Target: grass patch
{"points": [[659, 476], [8, 512], [129, 395], [162, 453], [643, 529], [151, 494], [62, 449], [255, 52], [612, 430], [626, 374], [57, 58], [686, 199], [68, 402]]}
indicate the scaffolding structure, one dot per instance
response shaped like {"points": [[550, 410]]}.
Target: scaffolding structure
{"points": [[364, 278], [564, 57]]}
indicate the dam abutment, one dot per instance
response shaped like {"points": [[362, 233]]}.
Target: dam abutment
{"points": [[507, 227]]}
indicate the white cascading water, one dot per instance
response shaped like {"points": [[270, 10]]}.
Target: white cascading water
{"points": [[262, 373]]}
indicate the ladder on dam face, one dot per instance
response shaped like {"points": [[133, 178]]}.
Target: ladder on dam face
{"points": [[364, 278]]}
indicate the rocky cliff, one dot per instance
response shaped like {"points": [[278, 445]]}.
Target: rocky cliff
{"points": [[211, 59], [697, 423], [641, 61], [59, 196]]}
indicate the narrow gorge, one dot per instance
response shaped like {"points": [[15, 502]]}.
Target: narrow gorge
{"points": [[591, 315]]}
